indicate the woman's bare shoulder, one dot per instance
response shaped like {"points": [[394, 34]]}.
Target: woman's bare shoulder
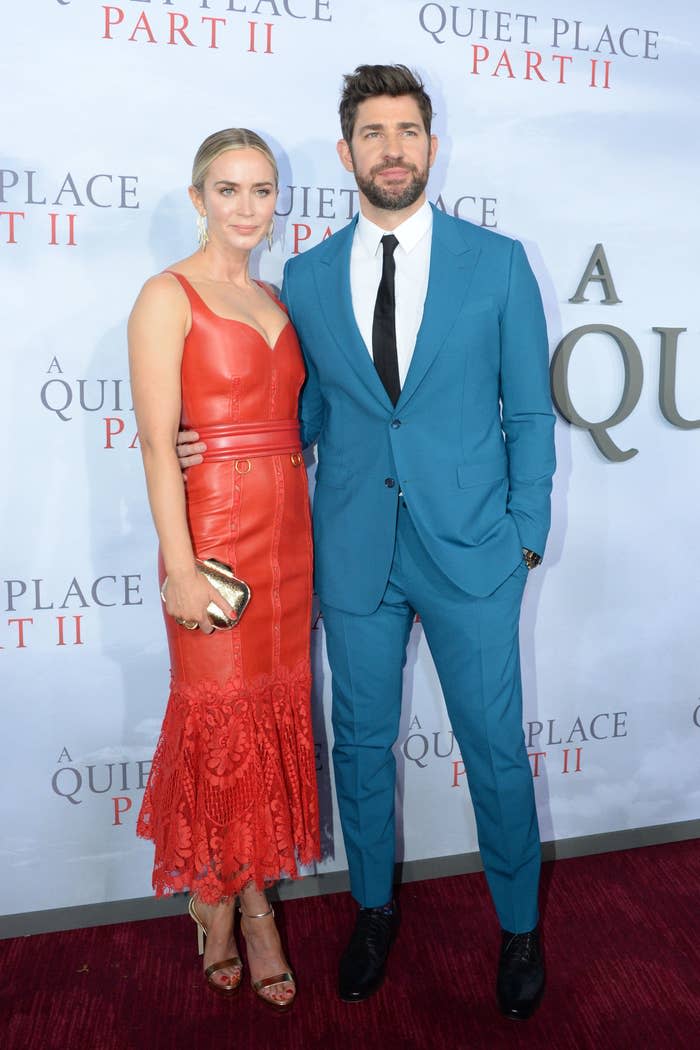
{"points": [[162, 292]]}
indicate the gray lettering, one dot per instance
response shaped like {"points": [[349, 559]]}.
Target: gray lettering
{"points": [[12, 593], [577, 729], [619, 724], [95, 598], [143, 773], [634, 378], [58, 409], [667, 379], [88, 190], [8, 179], [594, 734], [74, 591], [445, 754], [532, 732], [436, 29], [418, 758], [81, 394], [598, 261], [69, 187], [503, 23], [128, 191], [91, 779], [323, 203], [78, 783], [132, 588]]}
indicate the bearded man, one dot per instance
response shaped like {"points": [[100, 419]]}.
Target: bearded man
{"points": [[428, 399]]}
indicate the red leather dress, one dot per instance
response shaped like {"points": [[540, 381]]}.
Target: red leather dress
{"points": [[231, 797]]}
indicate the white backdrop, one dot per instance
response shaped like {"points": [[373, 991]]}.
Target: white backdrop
{"points": [[549, 132]]}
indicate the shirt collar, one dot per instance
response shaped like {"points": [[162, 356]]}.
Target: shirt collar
{"points": [[409, 233]]}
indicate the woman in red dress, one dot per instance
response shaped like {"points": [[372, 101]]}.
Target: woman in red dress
{"points": [[231, 802]]}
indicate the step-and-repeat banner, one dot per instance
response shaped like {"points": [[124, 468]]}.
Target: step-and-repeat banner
{"points": [[570, 125]]}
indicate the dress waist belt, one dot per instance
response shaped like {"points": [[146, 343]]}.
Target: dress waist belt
{"points": [[235, 440]]}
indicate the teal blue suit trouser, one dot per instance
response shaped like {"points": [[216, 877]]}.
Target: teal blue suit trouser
{"points": [[474, 643]]}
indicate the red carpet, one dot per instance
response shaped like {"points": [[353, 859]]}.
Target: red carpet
{"points": [[622, 939]]}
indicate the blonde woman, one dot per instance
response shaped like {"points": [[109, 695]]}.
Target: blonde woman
{"points": [[231, 801]]}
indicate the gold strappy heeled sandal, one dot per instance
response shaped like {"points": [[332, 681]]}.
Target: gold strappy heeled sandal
{"points": [[280, 978], [235, 961]]}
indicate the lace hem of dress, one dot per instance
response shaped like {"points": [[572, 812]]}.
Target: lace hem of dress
{"points": [[231, 797]]}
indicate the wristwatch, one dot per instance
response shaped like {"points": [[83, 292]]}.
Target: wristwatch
{"points": [[532, 560]]}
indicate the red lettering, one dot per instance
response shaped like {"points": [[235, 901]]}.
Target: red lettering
{"points": [[109, 22], [11, 216], [208, 18], [71, 216], [480, 54], [504, 61], [458, 770], [577, 767], [77, 636], [20, 621], [142, 24], [122, 804], [268, 38], [606, 77], [533, 66], [180, 30], [113, 426], [561, 59], [298, 237], [537, 755]]}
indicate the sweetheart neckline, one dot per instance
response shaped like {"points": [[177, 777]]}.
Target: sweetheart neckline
{"points": [[234, 320]]}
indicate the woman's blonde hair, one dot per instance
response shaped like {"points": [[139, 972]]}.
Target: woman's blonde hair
{"points": [[220, 142]]}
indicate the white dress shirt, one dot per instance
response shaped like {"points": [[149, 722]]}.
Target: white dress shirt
{"points": [[412, 257]]}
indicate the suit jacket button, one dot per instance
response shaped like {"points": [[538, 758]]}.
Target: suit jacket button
{"points": [[395, 424], [389, 482]]}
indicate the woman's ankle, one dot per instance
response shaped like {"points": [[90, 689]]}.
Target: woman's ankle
{"points": [[254, 904]]}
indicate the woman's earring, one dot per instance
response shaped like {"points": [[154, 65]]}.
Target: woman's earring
{"points": [[202, 231], [270, 234]]}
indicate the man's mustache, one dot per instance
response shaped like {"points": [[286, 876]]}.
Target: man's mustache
{"points": [[389, 164]]}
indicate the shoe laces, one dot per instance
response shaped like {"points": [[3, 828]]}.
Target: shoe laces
{"points": [[372, 928], [522, 947]]}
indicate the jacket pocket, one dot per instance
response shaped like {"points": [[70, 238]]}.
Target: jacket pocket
{"points": [[487, 472], [478, 306]]}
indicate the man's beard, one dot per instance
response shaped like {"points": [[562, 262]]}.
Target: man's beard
{"points": [[386, 198]]}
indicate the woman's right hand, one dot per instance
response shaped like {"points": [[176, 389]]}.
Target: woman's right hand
{"points": [[187, 595]]}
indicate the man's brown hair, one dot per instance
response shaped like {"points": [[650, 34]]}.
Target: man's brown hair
{"points": [[370, 81]]}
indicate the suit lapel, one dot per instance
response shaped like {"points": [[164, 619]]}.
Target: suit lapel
{"points": [[452, 264], [333, 284]]}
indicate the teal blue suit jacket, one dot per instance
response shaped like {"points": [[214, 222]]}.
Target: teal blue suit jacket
{"points": [[470, 442]]}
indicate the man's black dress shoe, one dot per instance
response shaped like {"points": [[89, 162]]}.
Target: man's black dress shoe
{"points": [[520, 982], [363, 962]]}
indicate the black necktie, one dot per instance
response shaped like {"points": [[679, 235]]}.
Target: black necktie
{"points": [[384, 324]]}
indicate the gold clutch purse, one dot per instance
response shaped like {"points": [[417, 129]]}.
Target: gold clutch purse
{"points": [[236, 592]]}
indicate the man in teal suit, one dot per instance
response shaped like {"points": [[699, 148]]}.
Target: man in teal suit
{"points": [[432, 496], [428, 399]]}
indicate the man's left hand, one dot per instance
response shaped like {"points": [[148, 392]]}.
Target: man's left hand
{"points": [[189, 449]]}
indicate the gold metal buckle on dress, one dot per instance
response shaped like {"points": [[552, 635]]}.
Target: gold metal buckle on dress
{"points": [[242, 466], [296, 458]]}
